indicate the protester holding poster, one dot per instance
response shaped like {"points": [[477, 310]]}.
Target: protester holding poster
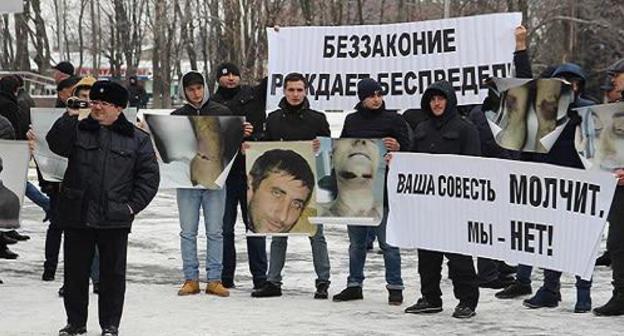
{"points": [[112, 175], [372, 120], [249, 102], [295, 120], [212, 201], [445, 132]]}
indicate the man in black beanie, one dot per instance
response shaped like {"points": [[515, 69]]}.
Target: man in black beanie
{"points": [[247, 101], [372, 120], [112, 175]]}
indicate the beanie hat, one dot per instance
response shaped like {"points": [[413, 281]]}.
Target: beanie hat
{"points": [[367, 87], [67, 83], [65, 67], [227, 68], [110, 92], [192, 78]]}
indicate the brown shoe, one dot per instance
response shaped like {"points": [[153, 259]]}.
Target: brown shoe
{"points": [[190, 287], [216, 288]]}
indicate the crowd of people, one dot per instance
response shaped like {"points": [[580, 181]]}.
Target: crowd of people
{"points": [[113, 175]]}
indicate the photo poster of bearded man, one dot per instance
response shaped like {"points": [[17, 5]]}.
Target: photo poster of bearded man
{"points": [[195, 151], [281, 187], [600, 138], [531, 113], [51, 165], [14, 158], [351, 174]]}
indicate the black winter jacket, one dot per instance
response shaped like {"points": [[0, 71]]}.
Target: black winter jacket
{"points": [[112, 172], [10, 110], [295, 123], [449, 133], [210, 108], [365, 123], [6, 129]]}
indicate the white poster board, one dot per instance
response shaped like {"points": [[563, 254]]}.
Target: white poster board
{"points": [[520, 212], [404, 57], [14, 157]]}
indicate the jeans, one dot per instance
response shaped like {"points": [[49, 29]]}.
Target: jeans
{"points": [[37, 197], [212, 202], [256, 246], [319, 257], [357, 255]]}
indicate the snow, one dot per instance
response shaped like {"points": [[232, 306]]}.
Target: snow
{"points": [[32, 307]]}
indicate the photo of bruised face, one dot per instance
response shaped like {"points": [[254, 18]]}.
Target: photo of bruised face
{"points": [[207, 164], [546, 109], [280, 185], [514, 122]]}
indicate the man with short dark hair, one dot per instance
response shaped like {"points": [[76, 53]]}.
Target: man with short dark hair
{"points": [[281, 184], [64, 90], [112, 175], [296, 121], [247, 101]]}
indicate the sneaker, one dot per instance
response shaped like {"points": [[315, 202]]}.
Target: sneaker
{"points": [[321, 290], [189, 287], [614, 307], [498, 283], [544, 298], [514, 290], [422, 306], [349, 294], [395, 297], [5, 253], [110, 331], [15, 235], [48, 275], [268, 290], [70, 330], [604, 259], [216, 288], [96, 288], [462, 311]]}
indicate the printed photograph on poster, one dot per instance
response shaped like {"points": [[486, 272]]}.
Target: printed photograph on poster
{"points": [[51, 165], [281, 193], [351, 181], [531, 113], [601, 139], [14, 157], [195, 151]]}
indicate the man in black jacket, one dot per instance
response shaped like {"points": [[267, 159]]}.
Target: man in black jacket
{"points": [[247, 101], [138, 96], [445, 132], [8, 104], [371, 120], [112, 175], [293, 121]]}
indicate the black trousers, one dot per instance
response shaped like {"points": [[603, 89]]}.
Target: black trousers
{"points": [[461, 272], [236, 193], [615, 239], [79, 248], [54, 235]]}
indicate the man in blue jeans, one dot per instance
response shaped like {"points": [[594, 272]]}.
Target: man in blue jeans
{"points": [[295, 120], [212, 201], [372, 120]]}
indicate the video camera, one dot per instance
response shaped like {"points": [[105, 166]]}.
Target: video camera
{"points": [[76, 103]]}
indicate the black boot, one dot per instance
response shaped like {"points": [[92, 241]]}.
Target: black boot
{"points": [[349, 294], [604, 259], [268, 290], [48, 274], [71, 330], [110, 331], [514, 290], [395, 297], [321, 290], [6, 240], [5, 253], [422, 306], [614, 307], [15, 235]]}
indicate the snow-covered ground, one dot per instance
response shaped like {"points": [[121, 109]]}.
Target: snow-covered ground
{"points": [[29, 306]]}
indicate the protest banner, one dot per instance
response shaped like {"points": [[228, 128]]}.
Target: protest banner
{"points": [[601, 139], [14, 158], [281, 193], [51, 165], [195, 151], [520, 212], [531, 113], [351, 176], [404, 57]]}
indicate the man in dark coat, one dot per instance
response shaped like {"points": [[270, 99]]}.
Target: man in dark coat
{"points": [[112, 175], [371, 120], [445, 132], [8, 104], [138, 96], [247, 101]]}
